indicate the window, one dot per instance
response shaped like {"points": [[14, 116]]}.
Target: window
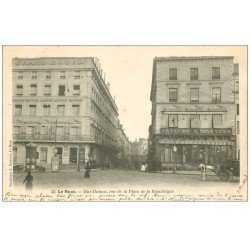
{"points": [[74, 130], [33, 89], [20, 75], [172, 74], [48, 74], [61, 90], [173, 121], [76, 90], [238, 127], [32, 110], [44, 153], [215, 72], [236, 69], [216, 94], [238, 109], [17, 130], [30, 130], [46, 110], [173, 94], [62, 74], [19, 90], [77, 74], [14, 154], [194, 121], [75, 110], [194, 74], [18, 110], [43, 130], [47, 90], [217, 121], [60, 130], [60, 110], [34, 75], [194, 95]]}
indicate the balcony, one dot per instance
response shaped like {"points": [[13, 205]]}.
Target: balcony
{"points": [[63, 138], [197, 131]]}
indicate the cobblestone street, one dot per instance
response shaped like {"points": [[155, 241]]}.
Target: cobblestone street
{"points": [[128, 179]]}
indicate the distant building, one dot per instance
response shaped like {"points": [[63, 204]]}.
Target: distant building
{"points": [[193, 110], [63, 103], [139, 151]]}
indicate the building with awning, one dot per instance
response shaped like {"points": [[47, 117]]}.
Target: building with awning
{"points": [[193, 111]]}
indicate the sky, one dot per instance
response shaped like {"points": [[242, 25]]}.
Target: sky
{"points": [[128, 69]]}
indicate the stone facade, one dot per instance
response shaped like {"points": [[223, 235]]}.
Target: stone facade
{"points": [[193, 111], [63, 103]]}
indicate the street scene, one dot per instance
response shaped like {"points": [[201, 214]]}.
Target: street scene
{"points": [[69, 130]]}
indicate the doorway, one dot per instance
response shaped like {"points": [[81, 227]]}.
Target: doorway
{"points": [[73, 156], [59, 154]]}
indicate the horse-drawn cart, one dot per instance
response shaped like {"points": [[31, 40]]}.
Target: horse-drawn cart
{"points": [[225, 170]]}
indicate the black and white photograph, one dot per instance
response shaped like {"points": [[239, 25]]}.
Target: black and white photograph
{"points": [[125, 123]]}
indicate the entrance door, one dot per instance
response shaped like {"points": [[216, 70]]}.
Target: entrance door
{"points": [[59, 154], [73, 156]]}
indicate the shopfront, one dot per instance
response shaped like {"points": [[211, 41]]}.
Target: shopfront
{"points": [[195, 154]]}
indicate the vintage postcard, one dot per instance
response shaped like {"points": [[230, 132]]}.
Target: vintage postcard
{"points": [[125, 123]]}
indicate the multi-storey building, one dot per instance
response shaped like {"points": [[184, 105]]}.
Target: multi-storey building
{"points": [[124, 147], [193, 111], [63, 103]]}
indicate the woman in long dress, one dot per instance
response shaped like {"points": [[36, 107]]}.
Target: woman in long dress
{"points": [[28, 179]]}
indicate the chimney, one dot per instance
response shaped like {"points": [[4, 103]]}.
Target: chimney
{"points": [[108, 86]]}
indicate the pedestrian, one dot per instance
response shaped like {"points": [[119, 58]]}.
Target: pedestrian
{"points": [[88, 169], [107, 164], [28, 179]]}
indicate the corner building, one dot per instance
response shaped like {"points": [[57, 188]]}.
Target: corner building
{"points": [[193, 111], [63, 103]]}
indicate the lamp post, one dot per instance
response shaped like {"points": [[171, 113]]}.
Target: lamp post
{"points": [[174, 147]]}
